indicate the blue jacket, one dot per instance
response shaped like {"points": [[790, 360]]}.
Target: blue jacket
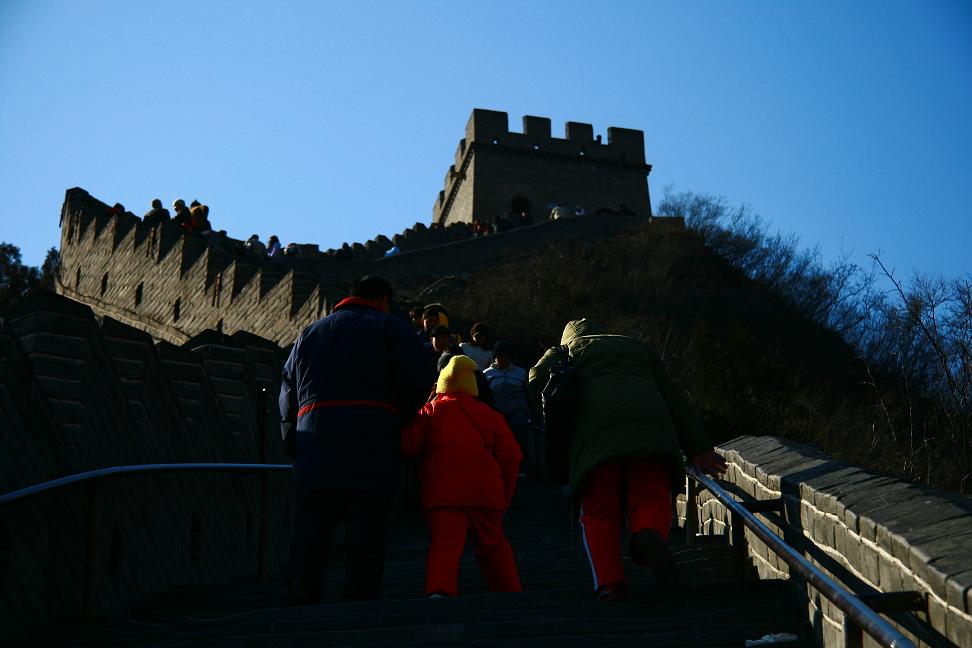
{"points": [[352, 381]]}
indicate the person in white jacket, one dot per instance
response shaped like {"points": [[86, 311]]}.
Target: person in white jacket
{"points": [[509, 386]]}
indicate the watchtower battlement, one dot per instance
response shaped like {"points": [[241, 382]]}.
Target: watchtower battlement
{"points": [[533, 171], [491, 126]]}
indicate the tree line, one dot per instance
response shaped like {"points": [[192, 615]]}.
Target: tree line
{"points": [[912, 334], [18, 279]]}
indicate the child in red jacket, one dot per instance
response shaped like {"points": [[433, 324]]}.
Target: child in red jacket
{"points": [[470, 461]]}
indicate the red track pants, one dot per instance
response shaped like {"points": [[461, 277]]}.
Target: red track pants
{"points": [[447, 528], [645, 487]]}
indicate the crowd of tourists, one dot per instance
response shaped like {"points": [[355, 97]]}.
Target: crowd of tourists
{"points": [[195, 219], [371, 384]]}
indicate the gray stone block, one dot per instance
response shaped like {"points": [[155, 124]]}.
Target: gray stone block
{"points": [[919, 516], [958, 590], [868, 522], [937, 560], [891, 578], [833, 476], [901, 544], [958, 630], [825, 497], [869, 566], [823, 529], [868, 495]]}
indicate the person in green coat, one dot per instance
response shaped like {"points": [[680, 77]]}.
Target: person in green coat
{"points": [[633, 427]]}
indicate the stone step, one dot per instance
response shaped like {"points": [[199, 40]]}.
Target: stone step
{"points": [[685, 615]]}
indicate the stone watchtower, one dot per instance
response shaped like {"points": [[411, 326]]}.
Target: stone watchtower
{"points": [[497, 171]]}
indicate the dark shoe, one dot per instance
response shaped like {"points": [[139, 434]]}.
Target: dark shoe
{"points": [[617, 591], [650, 551]]}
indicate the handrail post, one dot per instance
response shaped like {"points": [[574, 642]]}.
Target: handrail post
{"points": [[740, 552], [853, 633], [691, 510], [264, 550], [263, 560], [88, 588]]}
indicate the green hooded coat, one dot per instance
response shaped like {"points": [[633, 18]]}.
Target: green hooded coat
{"points": [[628, 404]]}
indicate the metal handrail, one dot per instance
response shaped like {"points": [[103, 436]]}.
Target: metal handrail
{"points": [[139, 468], [94, 477], [853, 608]]}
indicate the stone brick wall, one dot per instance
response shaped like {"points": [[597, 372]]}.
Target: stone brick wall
{"points": [[493, 166], [78, 393], [869, 531], [174, 286]]}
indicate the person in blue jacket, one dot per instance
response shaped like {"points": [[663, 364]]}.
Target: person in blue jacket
{"points": [[352, 381]]}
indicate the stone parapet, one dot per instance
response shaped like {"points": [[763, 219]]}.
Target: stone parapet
{"points": [[79, 393], [175, 286], [869, 531]]}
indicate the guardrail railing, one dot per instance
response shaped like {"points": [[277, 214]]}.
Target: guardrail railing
{"points": [[859, 616], [93, 478]]}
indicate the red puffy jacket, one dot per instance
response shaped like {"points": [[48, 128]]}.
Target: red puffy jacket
{"points": [[469, 454]]}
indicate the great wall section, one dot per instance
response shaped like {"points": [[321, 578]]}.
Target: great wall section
{"points": [[176, 286], [165, 347]]}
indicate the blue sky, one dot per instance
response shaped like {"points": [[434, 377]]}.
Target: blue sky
{"points": [[849, 124]]}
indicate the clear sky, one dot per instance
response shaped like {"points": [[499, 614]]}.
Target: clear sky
{"points": [[848, 123]]}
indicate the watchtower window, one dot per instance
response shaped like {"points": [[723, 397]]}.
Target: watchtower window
{"points": [[536, 147], [176, 309], [104, 284], [138, 294], [77, 279], [582, 152], [495, 140]]}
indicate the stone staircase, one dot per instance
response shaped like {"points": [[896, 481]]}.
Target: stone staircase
{"points": [[555, 608]]}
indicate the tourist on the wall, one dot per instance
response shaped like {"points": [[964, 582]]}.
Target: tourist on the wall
{"points": [[442, 342], [182, 217], [200, 219], [273, 246], [469, 467], [292, 250], [256, 246], [478, 347], [630, 429], [158, 214], [352, 381], [345, 252], [433, 315], [508, 383], [480, 228], [502, 223]]}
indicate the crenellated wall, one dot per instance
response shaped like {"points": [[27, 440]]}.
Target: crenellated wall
{"points": [[79, 393], [174, 285], [869, 531], [498, 171]]}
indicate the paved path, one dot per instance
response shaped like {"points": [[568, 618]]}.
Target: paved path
{"points": [[556, 608]]}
